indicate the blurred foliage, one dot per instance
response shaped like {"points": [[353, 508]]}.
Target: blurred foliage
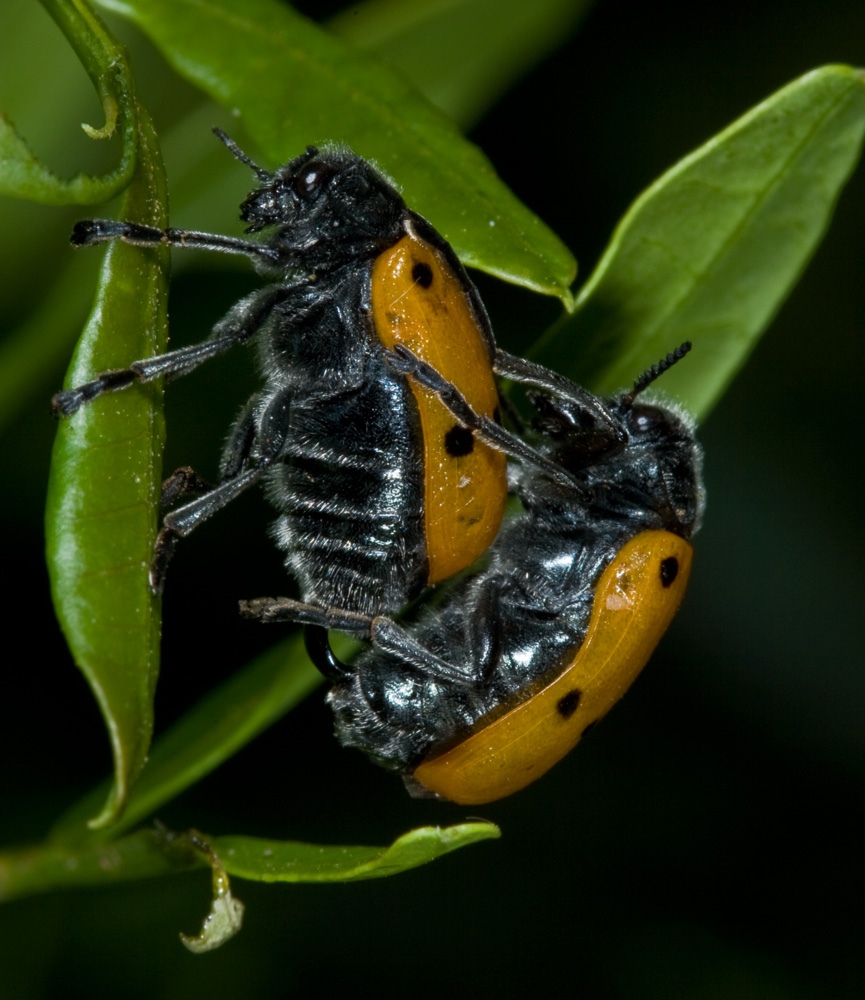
{"points": [[672, 852]]}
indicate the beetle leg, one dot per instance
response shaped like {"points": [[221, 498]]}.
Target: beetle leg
{"points": [[184, 481], [484, 628], [240, 441], [179, 523], [529, 373], [318, 649], [240, 323], [485, 427], [591, 426], [89, 232], [285, 609], [268, 442], [389, 637], [382, 632]]}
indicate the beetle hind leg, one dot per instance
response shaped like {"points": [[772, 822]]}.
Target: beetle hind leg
{"points": [[284, 609]]}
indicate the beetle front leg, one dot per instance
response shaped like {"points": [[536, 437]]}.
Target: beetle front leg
{"points": [[90, 232], [241, 322]]}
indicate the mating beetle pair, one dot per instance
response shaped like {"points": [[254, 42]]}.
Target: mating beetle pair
{"points": [[377, 432], [489, 691]]}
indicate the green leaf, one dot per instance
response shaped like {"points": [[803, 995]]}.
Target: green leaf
{"points": [[22, 174], [287, 861], [435, 44], [148, 853], [292, 83], [225, 720], [710, 251], [104, 489]]}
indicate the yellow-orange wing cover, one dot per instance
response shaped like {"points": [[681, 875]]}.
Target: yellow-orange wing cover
{"points": [[634, 603], [418, 301]]}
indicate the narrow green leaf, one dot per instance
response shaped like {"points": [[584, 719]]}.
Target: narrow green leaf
{"points": [[223, 721], [286, 861], [710, 251], [151, 852], [292, 83], [22, 174], [435, 44], [104, 489]]}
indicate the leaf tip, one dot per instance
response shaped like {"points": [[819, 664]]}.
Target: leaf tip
{"points": [[481, 829]]}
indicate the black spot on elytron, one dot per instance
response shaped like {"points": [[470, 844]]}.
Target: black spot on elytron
{"points": [[497, 415], [669, 570], [568, 704], [589, 727], [459, 441], [422, 274]]}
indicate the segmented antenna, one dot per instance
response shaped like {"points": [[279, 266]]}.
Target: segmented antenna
{"points": [[650, 374], [262, 174]]}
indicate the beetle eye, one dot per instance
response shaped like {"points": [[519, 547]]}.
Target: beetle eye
{"points": [[312, 178], [647, 418]]}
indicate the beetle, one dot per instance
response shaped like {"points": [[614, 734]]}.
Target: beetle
{"points": [[380, 491], [484, 694]]}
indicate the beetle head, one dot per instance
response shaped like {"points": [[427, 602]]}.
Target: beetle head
{"points": [[325, 208]]}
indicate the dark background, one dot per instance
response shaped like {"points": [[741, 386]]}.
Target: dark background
{"points": [[703, 842]]}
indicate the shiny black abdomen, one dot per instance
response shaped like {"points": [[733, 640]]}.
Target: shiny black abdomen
{"points": [[546, 583], [349, 488]]}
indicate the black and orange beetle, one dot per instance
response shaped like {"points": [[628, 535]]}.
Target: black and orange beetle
{"points": [[485, 694], [380, 491]]}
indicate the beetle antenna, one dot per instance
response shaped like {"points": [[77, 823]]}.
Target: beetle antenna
{"points": [[262, 174], [650, 374]]}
